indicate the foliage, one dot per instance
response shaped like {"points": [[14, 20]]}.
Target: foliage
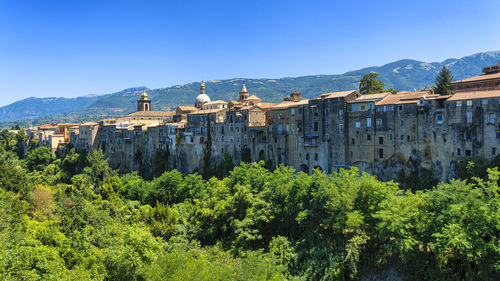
{"points": [[369, 84], [39, 158], [160, 163], [76, 219], [443, 80]]}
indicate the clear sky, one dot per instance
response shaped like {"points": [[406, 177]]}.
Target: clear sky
{"points": [[72, 48]]}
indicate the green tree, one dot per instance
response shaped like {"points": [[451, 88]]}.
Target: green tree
{"points": [[38, 159], [369, 84], [98, 170], [443, 80]]}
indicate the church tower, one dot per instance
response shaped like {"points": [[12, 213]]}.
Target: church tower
{"points": [[243, 93], [144, 104]]}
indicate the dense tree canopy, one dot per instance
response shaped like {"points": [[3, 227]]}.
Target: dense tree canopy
{"points": [[369, 84], [77, 219]]}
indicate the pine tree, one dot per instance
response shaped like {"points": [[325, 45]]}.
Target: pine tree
{"points": [[443, 80]]}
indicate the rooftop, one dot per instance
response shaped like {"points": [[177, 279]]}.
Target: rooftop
{"points": [[337, 94], [152, 114], [287, 104], [207, 111], [481, 77], [475, 95], [403, 97], [187, 108], [372, 97]]}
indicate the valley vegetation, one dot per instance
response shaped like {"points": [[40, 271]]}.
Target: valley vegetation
{"points": [[77, 219]]}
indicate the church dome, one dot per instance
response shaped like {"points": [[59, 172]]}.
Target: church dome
{"points": [[202, 98], [144, 96]]}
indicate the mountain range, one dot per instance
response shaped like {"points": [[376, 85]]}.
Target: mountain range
{"points": [[401, 75]]}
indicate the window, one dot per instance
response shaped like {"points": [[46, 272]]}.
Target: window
{"points": [[439, 118], [341, 128], [459, 151], [368, 122], [468, 116], [498, 135], [400, 107], [390, 137], [491, 118], [494, 151], [358, 124], [368, 137], [468, 152], [315, 126], [380, 140], [402, 137], [341, 113], [293, 111], [354, 107], [352, 141], [381, 153], [362, 108], [401, 122], [316, 156], [468, 102], [307, 156], [379, 123], [484, 101]]}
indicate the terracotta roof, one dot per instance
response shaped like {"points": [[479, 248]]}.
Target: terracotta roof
{"points": [[337, 94], [372, 97], [436, 97], [207, 111], [479, 78], [266, 105], [47, 126], [253, 97], [152, 113], [89, 124], [248, 107], [187, 108], [475, 95], [404, 97], [214, 102], [287, 104]]}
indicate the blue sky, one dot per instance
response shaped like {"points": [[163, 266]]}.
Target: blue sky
{"points": [[72, 48]]}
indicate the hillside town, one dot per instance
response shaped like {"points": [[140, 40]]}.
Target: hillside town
{"points": [[382, 134]]}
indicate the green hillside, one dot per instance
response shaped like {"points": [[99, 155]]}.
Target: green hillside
{"points": [[401, 75]]}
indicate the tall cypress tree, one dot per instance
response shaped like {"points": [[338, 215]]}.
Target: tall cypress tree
{"points": [[443, 80]]}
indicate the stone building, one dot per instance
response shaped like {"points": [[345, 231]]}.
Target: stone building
{"points": [[382, 134], [489, 80]]}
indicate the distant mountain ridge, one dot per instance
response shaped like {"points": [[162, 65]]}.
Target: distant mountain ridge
{"points": [[405, 74]]}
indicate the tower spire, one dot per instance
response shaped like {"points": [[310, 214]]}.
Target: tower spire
{"points": [[243, 93]]}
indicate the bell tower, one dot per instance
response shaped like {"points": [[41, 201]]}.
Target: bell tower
{"points": [[144, 104], [243, 93]]}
